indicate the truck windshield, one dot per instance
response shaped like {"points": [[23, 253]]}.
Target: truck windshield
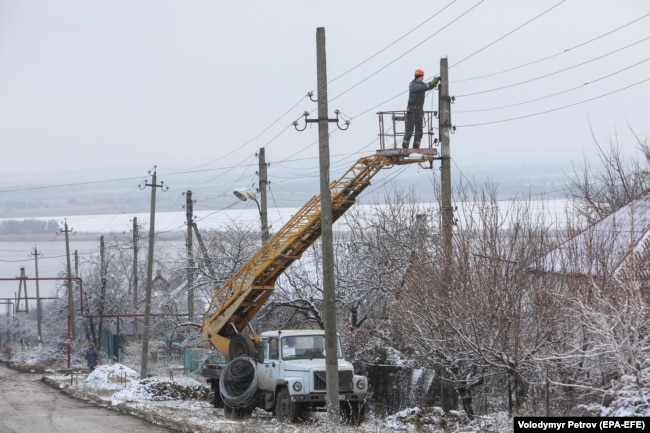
{"points": [[306, 347]]}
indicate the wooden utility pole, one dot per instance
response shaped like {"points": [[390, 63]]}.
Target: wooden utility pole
{"points": [[263, 203], [445, 128], [329, 283], [147, 300], [189, 208], [39, 310]]}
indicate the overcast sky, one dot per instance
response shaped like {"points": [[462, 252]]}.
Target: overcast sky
{"points": [[107, 89]]}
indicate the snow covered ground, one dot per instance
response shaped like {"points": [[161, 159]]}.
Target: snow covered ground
{"points": [[179, 400], [182, 404]]}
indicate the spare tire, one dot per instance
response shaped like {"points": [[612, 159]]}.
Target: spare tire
{"points": [[241, 345]]}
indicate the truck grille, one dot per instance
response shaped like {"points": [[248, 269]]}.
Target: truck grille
{"points": [[345, 381]]}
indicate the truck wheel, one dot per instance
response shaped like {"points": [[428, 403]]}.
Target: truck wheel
{"points": [[236, 413], [353, 413], [285, 409], [241, 345], [217, 401]]}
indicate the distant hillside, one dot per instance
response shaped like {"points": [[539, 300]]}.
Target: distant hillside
{"points": [[28, 227], [124, 196]]}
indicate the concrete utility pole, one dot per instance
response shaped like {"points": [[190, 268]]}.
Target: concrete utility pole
{"points": [[189, 208], [39, 310], [329, 283], [206, 257], [71, 330], [263, 204], [135, 271], [445, 128], [147, 301], [102, 293], [22, 282]]}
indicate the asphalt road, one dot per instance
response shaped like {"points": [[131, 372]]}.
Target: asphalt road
{"points": [[28, 405]]}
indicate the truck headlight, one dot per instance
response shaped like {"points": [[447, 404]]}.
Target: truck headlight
{"points": [[297, 386], [361, 384]]}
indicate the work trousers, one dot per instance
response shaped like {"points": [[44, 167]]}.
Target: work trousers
{"points": [[414, 119]]}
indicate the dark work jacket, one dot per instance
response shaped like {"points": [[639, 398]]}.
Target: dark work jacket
{"points": [[416, 94], [92, 355]]}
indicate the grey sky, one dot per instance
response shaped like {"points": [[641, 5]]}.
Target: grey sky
{"points": [[107, 89]]}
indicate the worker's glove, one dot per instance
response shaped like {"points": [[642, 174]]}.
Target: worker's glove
{"points": [[434, 82]]}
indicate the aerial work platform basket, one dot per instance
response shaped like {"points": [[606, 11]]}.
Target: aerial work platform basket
{"points": [[392, 125]]}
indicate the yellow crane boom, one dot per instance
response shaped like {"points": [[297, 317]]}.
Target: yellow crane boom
{"points": [[237, 301]]}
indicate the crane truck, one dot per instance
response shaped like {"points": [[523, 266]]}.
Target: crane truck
{"points": [[283, 371]]}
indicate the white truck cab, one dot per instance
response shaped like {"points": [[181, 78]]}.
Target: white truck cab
{"points": [[291, 375]]}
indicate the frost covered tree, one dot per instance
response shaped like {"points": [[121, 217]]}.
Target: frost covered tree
{"points": [[219, 254], [494, 318], [106, 282], [603, 271], [371, 252], [384, 245], [600, 188]]}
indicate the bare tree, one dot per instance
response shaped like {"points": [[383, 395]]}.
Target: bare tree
{"points": [[605, 295], [372, 252], [602, 190], [227, 250], [496, 315]]}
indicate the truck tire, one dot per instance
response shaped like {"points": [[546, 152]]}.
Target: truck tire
{"points": [[285, 409], [236, 413], [216, 401], [353, 412], [241, 345]]}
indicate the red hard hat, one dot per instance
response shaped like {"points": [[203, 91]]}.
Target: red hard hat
{"points": [[419, 73]]}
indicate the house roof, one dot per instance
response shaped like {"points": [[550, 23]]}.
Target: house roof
{"points": [[604, 248]]}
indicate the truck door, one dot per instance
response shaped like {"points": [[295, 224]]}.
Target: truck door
{"points": [[271, 365]]}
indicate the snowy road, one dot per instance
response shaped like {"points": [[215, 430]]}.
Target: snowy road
{"points": [[27, 405]]}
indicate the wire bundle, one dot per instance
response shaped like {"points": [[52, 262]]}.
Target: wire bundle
{"points": [[238, 383]]}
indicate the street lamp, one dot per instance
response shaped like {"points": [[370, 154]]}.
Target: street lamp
{"points": [[247, 194]]}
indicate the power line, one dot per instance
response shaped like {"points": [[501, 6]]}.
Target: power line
{"points": [[237, 148], [408, 51], [508, 34], [275, 202], [537, 61], [392, 43], [557, 93], [555, 109], [94, 182], [554, 55], [91, 182], [555, 72]]}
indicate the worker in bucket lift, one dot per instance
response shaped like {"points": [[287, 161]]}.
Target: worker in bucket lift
{"points": [[415, 108]]}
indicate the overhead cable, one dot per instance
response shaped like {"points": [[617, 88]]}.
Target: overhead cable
{"points": [[554, 55], [507, 34], [557, 93], [408, 51], [555, 72], [557, 108], [392, 43]]}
